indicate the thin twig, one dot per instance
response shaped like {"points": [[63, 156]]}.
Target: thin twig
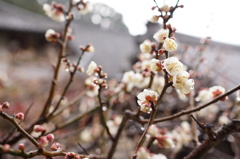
{"points": [[185, 112]]}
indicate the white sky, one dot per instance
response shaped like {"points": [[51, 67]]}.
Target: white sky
{"points": [[219, 19]]}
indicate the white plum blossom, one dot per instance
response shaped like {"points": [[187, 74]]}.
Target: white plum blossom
{"points": [[143, 153], [223, 119], [204, 95], [146, 46], [182, 83], [91, 88], [155, 65], [153, 131], [216, 90], [170, 44], [154, 19], [165, 141], [146, 99], [165, 8], [159, 35], [158, 156], [91, 68], [51, 35], [90, 48], [173, 66], [53, 12]]}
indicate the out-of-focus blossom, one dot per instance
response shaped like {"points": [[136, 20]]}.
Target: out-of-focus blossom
{"points": [[52, 36], [54, 11], [91, 88], [154, 19], [114, 124], [204, 95], [173, 66], [90, 48], [153, 131], [155, 65], [91, 68], [238, 95], [165, 141], [216, 91], [158, 156], [20, 116], [158, 83], [170, 44], [223, 119], [43, 142], [146, 46], [165, 8], [71, 155], [160, 35], [146, 99], [56, 146], [143, 153]]}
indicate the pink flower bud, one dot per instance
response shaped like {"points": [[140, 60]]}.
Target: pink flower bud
{"points": [[20, 116], [5, 105], [21, 147], [50, 137], [71, 155], [38, 128], [56, 146], [6, 148], [43, 142]]}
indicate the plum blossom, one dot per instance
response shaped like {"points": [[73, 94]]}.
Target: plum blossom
{"points": [[91, 88], [51, 35], [158, 156], [159, 35], [173, 66], [216, 90], [182, 83], [143, 153], [204, 95], [54, 11], [155, 65], [91, 68], [153, 131], [165, 8], [146, 46], [146, 99], [170, 44], [165, 141]]}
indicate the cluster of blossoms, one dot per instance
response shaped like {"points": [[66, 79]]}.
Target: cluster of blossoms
{"points": [[180, 77], [163, 137], [55, 11], [93, 83]]}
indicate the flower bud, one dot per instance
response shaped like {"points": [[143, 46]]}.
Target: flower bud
{"points": [[50, 137], [71, 155], [56, 146], [20, 116], [6, 147], [43, 142], [5, 105], [38, 128], [21, 147]]}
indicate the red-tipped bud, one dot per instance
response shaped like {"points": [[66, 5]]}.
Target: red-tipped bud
{"points": [[6, 148], [5, 105], [50, 137], [43, 142], [153, 7], [181, 6], [20, 116], [56, 146], [71, 155], [21, 147], [70, 37], [38, 128]]}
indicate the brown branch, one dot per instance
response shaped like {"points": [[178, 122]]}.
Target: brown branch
{"points": [[119, 132], [185, 112], [60, 56], [222, 133], [19, 128], [44, 152]]}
